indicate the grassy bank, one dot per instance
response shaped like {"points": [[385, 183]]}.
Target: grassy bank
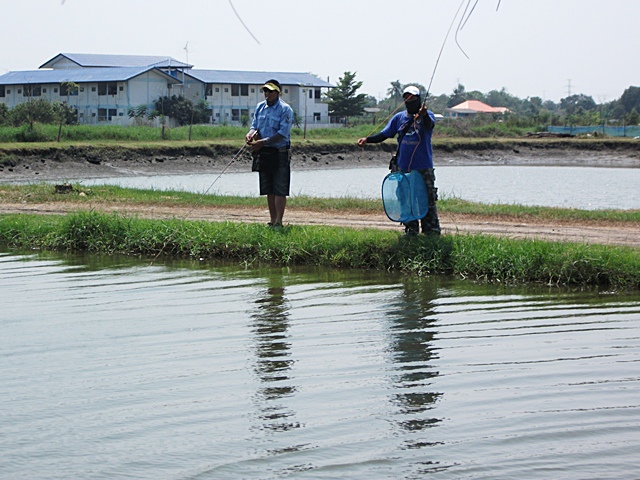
{"points": [[112, 195], [203, 137], [476, 257]]}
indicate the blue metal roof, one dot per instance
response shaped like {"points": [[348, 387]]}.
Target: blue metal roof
{"points": [[79, 75], [256, 78], [102, 60]]}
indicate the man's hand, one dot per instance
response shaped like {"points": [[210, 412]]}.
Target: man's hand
{"points": [[256, 145], [362, 142]]}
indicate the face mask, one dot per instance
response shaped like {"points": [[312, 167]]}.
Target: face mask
{"points": [[413, 105]]}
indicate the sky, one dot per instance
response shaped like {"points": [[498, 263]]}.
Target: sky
{"points": [[531, 48]]}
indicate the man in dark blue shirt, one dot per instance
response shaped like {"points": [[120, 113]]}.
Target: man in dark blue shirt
{"points": [[415, 127]]}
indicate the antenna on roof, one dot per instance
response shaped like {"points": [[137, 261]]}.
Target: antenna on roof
{"points": [[186, 49]]}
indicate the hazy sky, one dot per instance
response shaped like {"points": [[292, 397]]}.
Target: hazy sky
{"points": [[544, 48]]}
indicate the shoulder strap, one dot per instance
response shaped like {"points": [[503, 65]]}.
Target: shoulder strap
{"points": [[403, 132]]}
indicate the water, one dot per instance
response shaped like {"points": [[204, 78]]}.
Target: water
{"points": [[585, 188], [114, 368]]}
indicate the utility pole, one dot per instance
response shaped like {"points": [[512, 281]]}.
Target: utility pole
{"points": [[569, 88]]}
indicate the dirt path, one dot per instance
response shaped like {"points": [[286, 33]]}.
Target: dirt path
{"points": [[585, 232], [44, 168]]}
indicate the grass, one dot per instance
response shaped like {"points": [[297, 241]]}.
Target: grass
{"points": [[484, 137], [476, 257]]}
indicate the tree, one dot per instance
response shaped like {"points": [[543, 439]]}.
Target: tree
{"points": [[31, 112], [4, 113], [181, 109], [395, 91], [458, 96], [633, 117], [343, 100], [577, 104], [630, 99]]}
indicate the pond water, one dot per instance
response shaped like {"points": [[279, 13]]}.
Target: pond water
{"points": [[585, 188], [119, 368]]}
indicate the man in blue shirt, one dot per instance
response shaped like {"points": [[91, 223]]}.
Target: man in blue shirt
{"points": [[414, 128], [270, 139]]}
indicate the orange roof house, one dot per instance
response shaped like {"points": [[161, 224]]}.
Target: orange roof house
{"points": [[471, 107]]}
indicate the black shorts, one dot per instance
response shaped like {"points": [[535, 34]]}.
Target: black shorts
{"points": [[275, 172]]}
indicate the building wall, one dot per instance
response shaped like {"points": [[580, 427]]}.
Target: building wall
{"points": [[230, 104], [63, 63], [227, 108], [93, 105]]}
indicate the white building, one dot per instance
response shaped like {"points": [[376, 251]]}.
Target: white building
{"points": [[103, 88]]}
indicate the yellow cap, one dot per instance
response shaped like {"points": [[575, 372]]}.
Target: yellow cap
{"points": [[272, 86]]}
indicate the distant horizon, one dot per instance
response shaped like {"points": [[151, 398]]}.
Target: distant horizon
{"points": [[546, 49]]}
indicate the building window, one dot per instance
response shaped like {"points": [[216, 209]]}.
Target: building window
{"points": [[217, 89], [310, 93], [316, 116], [55, 90], [2, 91], [226, 90], [286, 90], [239, 90], [105, 115], [121, 88], [32, 90], [208, 90], [93, 89], [253, 90], [8, 91], [235, 114], [107, 88], [66, 89], [44, 90], [318, 94], [19, 91]]}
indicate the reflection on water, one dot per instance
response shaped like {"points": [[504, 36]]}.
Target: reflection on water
{"points": [[412, 318], [112, 368], [273, 356]]}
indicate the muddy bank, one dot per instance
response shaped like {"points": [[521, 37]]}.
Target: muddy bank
{"points": [[81, 162]]}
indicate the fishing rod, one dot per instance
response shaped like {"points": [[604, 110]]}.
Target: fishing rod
{"points": [[435, 67], [201, 196]]}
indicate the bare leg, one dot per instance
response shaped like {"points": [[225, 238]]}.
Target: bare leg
{"points": [[280, 205], [271, 202]]}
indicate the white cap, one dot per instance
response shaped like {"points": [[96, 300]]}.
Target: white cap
{"points": [[412, 90]]}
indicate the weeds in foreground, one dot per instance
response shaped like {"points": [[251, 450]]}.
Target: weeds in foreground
{"points": [[476, 257]]}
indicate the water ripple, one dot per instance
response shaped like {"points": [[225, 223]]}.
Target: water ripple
{"points": [[130, 370]]}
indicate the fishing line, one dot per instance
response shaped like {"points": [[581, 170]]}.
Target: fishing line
{"points": [[200, 197], [435, 67], [243, 24]]}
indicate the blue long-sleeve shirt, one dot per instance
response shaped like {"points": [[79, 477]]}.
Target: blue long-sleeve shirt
{"points": [[415, 150]]}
